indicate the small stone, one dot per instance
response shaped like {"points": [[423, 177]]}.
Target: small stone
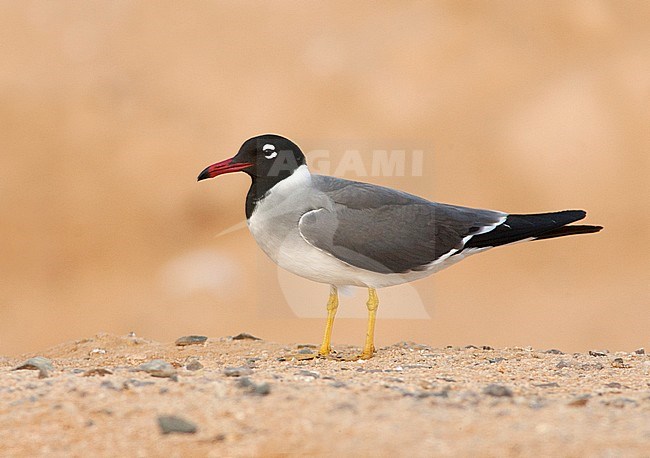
{"points": [[562, 364], [470, 347], [39, 363], [298, 356], [35, 363], [305, 351], [299, 346], [158, 368], [554, 351], [244, 382], [194, 365], [591, 366], [237, 371], [110, 385], [498, 391], [614, 385], [97, 371], [547, 385], [495, 360], [486, 347], [621, 402], [97, 351], [428, 394], [245, 336], [580, 401], [261, 389], [173, 424], [305, 373], [190, 340], [620, 364], [640, 351], [136, 383], [598, 352]]}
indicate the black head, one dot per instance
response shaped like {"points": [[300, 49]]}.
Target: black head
{"points": [[269, 158]]}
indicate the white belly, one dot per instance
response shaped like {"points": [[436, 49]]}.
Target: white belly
{"points": [[291, 252]]}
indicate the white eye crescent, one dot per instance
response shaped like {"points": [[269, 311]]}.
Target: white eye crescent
{"points": [[269, 151]]}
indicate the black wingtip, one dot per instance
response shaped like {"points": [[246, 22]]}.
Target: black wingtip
{"points": [[533, 227], [565, 216], [569, 230]]}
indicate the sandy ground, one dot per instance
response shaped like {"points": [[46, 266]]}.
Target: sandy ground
{"points": [[250, 397]]}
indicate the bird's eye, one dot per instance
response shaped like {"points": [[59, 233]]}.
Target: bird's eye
{"points": [[269, 151]]}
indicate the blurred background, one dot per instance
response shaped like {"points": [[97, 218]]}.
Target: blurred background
{"points": [[109, 110]]}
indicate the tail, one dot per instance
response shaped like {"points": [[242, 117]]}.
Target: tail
{"points": [[532, 227]]}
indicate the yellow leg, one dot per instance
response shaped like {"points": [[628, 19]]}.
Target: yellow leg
{"points": [[372, 304], [332, 305]]}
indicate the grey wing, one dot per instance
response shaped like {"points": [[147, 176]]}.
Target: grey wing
{"points": [[387, 231]]}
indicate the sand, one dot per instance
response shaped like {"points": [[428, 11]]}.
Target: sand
{"points": [[252, 398]]}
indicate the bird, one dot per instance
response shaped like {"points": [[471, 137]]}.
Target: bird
{"points": [[348, 233]]}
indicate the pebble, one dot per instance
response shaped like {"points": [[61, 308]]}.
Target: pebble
{"points": [[97, 371], [245, 336], [554, 351], [429, 394], [580, 401], [640, 351], [261, 389], [305, 373], [305, 351], [584, 366], [110, 385], [498, 391], [194, 365], [190, 340], [173, 424], [620, 364], [621, 403], [39, 363], [547, 385], [136, 383], [598, 352], [158, 368], [237, 371]]}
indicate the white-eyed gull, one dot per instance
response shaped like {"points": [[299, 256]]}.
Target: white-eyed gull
{"points": [[343, 232]]}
